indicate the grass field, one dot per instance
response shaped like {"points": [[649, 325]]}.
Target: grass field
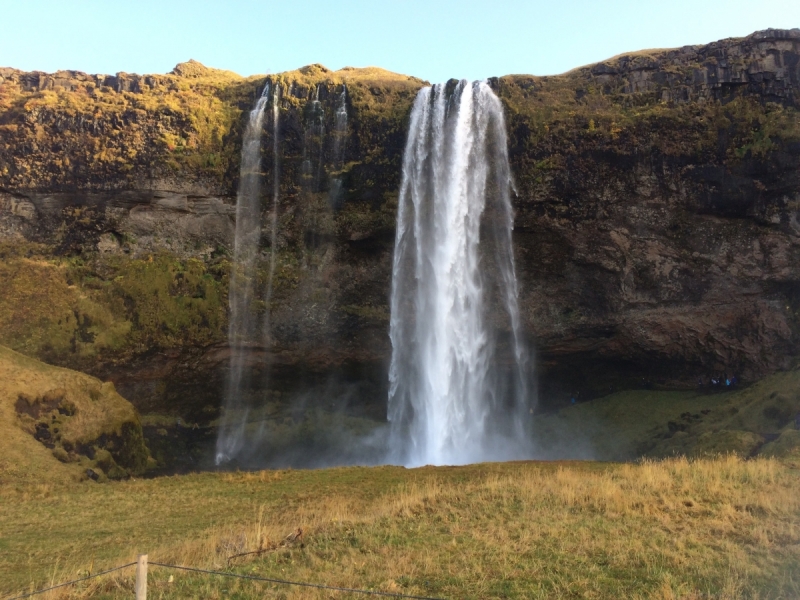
{"points": [[721, 528], [704, 527]]}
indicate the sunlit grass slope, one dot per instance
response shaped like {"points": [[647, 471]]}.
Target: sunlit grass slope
{"points": [[55, 423], [722, 528]]}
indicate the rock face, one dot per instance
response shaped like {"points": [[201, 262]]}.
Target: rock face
{"points": [[656, 230], [661, 237], [763, 64]]}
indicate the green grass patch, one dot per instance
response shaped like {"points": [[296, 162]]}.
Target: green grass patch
{"points": [[722, 527]]}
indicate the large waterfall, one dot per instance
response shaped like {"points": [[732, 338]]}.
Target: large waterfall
{"points": [[243, 326], [459, 370]]}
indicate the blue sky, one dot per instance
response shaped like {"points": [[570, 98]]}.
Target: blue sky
{"points": [[432, 39]]}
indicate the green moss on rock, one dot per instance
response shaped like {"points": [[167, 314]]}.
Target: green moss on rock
{"points": [[73, 311]]}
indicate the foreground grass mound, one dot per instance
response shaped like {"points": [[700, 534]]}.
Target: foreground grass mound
{"points": [[59, 425], [721, 528]]}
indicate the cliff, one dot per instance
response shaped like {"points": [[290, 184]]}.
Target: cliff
{"points": [[656, 231]]}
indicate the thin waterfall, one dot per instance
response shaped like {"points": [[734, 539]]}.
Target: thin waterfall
{"points": [[243, 323], [313, 141], [452, 399], [339, 138], [340, 128], [319, 130], [276, 190]]}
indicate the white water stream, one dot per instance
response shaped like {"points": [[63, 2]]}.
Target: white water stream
{"points": [[450, 399], [339, 139], [243, 327]]}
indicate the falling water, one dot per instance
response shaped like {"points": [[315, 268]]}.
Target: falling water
{"points": [[340, 128], [319, 130], [276, 188], [243, 327], [339, 138], [452, 399], [314, 131]]}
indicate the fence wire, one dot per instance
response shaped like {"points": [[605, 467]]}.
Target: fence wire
{"points": [[234, 575], [74, 581], [300, 583]]}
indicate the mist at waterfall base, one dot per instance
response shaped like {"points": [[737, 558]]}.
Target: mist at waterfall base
{"points": [[460, 383]]}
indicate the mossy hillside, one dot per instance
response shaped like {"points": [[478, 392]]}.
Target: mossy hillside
{"points": [[83, 311], [786, 446], [56, 423], [743, 424], [635, 423]]}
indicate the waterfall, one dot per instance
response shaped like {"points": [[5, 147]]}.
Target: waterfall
{"points": [[340, 129], [243, 326], [276, 189], [454, 398], [339, 138], [313, 142], [319, 131]]}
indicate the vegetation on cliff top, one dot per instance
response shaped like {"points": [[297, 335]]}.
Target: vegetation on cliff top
{"points": [[71, 130], [550, 129], [100, 131]]}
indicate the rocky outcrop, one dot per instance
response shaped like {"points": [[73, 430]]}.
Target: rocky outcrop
{"points": [[663, 244], [656, 233], [764, 64], [151, 220]]}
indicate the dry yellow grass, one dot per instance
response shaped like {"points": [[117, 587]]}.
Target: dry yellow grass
{"points": [[721, 528], [99, 410]]}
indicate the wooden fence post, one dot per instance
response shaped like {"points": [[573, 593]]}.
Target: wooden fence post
{"points": [[141, 577]]}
